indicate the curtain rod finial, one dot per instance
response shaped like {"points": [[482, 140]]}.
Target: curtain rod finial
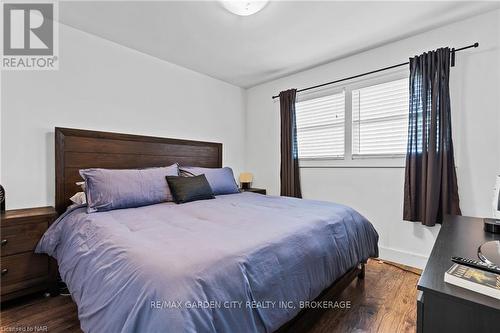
{"points": [[476, 44]]}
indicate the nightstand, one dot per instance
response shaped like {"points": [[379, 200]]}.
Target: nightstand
{"points": [[22, 271], [254, 190]]}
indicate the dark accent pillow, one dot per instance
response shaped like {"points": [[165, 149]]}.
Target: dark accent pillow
{"points": [[186, 189]]}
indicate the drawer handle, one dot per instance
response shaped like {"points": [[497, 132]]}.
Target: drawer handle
{"points": [[4, 242], [5, 271]]}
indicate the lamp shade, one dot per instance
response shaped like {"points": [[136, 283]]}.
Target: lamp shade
{"points": [[246, 177]]}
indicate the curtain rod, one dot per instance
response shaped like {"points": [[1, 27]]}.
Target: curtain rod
{"points": [[383, 69]]}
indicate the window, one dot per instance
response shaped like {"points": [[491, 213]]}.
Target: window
{"points": [[361, 126], [380, 119], [320, 126]]}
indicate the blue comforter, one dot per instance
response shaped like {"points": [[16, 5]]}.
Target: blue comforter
{"points": [[238, 263]]}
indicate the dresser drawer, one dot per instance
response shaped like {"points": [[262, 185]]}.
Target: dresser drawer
{"points": [[21, 238], [20, 270], [24, 272]]}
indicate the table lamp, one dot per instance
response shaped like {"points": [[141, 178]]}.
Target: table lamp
{"points": [[246, 179]]}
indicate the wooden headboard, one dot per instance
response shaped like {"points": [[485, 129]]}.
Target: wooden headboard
{"points": [[79, 149]]}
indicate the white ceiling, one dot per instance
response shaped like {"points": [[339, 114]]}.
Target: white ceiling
{"points": [[285, 37]]}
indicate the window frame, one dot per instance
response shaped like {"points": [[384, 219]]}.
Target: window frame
{"points": [[318, 94], [349, 159]]}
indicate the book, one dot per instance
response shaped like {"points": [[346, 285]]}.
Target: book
{"points": [[477, 280]]}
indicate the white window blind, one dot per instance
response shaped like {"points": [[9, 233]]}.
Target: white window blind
{"points": [[380, 119], [320, 126]]}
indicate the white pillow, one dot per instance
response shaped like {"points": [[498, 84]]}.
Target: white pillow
{"points": [[79, 198]]}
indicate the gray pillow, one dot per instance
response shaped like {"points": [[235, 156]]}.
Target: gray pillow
{"points": [[108, 189], [221, 180], [187, 189]]}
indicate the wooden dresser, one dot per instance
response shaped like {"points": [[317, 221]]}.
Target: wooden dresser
{"points": [[443, 307], [22, 271]]}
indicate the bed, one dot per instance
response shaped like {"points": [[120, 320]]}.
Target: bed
{"points": [[238, 263]]}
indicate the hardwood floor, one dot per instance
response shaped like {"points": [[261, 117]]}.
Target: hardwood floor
{"points": [[58, 314], [384, 302]]}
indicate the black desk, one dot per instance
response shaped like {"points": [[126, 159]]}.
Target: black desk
{"points": [[443, 307]]}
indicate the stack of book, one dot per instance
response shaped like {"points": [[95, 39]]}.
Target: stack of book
{"points": [[477, 280]]}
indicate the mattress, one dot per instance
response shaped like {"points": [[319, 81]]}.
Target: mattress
{"points": [[238, 263]]}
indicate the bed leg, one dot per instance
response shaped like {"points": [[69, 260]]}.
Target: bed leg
{"points": [[361, 274], [53, 290]]}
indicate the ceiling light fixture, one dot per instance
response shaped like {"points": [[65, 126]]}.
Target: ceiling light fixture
{"points": [[244, 8]]}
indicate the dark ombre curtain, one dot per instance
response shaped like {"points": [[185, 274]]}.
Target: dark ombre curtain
{"points": [[290, 178], [430, 189]]}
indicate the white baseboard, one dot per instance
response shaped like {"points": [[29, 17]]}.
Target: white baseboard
{"points": [[403, 257]]}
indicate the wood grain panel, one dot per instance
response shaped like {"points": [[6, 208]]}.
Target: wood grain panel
{"points": [[21, 237], [26, 215], [103, 145], [22, 271], [127, 161], [22, 267], [79, 149]]}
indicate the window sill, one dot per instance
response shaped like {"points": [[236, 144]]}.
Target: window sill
{"points": [[378, 162], [378, 156], [312, 159]]}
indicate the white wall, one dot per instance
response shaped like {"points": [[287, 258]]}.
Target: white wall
{"points": [[377, 192], [101, 85]]}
